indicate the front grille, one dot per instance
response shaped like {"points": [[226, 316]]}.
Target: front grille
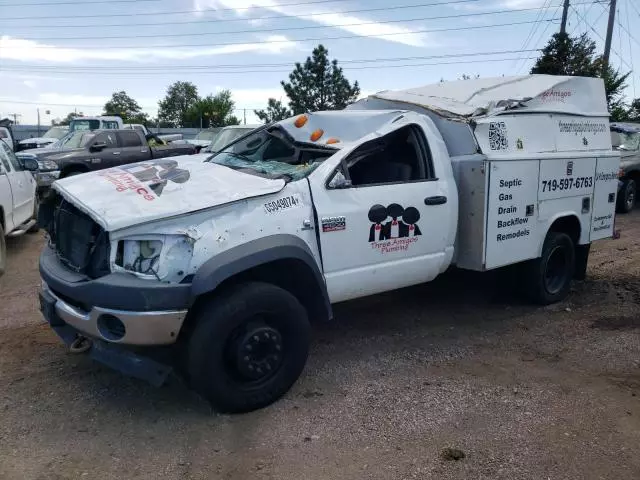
{"points": [[80, 243]]}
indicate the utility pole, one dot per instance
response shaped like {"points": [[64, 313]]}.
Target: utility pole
{"points": [[244, 110], [607, 43], [565, 14]]}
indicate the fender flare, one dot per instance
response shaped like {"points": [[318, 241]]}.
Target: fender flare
{"points": [[253, 254]]}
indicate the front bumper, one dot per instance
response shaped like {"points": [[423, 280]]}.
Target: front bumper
{"points": [[46, 179], [117, 308]]}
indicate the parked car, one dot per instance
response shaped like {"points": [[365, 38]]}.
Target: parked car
{"points": [[96, 123], [6, 134], [625, 137], [204, 138], [85, 151], [229, 260], [50, 137], [227, 135], [169, 137], [18, 201]]}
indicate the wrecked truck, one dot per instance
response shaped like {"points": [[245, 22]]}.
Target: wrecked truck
{"points": [[216, 269]]}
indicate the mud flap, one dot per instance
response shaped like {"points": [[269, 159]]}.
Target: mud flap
{"points": [[582, 258]]}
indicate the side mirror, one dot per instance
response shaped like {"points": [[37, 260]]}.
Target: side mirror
{"points": [[97, 147], [339, 182], [30, 164]]}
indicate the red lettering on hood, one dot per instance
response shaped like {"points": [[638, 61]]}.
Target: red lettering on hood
{"points": [[124, 181]]}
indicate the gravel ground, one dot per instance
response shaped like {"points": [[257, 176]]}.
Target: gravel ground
{"points": [[522, 392]]}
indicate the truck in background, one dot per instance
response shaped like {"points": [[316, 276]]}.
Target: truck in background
{"points": [[231, 264], [18, 201], [625, 138]]}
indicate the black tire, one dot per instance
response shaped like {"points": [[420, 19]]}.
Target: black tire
{"points": [[549, 277], [3, 252], [627, 196], [248, 347], [72, 173], [36, 207]]}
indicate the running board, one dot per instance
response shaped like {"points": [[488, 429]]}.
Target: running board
{"points": [[22, 229]]}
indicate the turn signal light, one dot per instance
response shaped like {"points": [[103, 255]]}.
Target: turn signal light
{"points": [[315, 136]]}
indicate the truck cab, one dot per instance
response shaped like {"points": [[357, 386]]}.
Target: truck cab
{"points": [[18, 203], [229, 259], [95, 123]]}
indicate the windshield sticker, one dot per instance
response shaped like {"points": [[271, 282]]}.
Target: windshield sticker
{"points": [[147, 179], [393, 228], [285, 203]]}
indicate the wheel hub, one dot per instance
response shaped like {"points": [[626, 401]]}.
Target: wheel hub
{"points": [[259, 352]]}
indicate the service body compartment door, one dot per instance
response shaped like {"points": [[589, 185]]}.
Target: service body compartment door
{"points": [[512, 229], [604, 197]]}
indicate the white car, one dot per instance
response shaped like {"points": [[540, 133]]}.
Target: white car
{"points": [[204, 138], [227, 135], [18, 201], [50, 137], [231, 258]]}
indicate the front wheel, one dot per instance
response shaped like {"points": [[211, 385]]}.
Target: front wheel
{"points": [[627, 196], [549, 277], [248, 347]]}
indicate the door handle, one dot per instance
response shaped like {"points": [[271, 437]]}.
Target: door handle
{"points": [[437, 200], [116, 153]]}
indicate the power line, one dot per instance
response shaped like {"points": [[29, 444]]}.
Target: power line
{"points": [[633, 76], [262, 42], [83, 3], [244, 19], [537, 42], [176, 12], [534, 27], [590, 26], [585, 16], [282, 29], [367, 67], [151, 68]]}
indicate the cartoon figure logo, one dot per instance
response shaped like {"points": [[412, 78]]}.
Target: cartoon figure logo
{"points": [[157, 173], [403, 222]]}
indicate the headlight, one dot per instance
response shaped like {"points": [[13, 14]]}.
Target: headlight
{"points": [[47, 165], [160, 257]]}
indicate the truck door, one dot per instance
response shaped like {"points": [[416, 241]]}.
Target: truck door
{"points": [[22, 186], [133, 150], [110, 155], [386, 215]]}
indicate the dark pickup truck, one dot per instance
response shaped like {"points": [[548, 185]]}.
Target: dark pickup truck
{"points": [[625, 137], [85, 151]]}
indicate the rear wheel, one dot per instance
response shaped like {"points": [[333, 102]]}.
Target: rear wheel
{"points": [[550, 276], [627, 196], [3, 252], [248, 347], [72, 173]]}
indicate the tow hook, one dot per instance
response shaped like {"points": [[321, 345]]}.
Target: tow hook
{"points": [[80, 345]]}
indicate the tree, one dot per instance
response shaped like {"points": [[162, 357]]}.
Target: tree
{"points": [[66, 120], [565, 55], [275, 112], [180, 97], [125, 107], [212, 111], [319, 85], [614, 86], [633, 113]]}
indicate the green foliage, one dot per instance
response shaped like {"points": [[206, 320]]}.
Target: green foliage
{"points": [[319, 85], [576, 56], [125, 107], [213, 111], [180, 98], [274, 112]]}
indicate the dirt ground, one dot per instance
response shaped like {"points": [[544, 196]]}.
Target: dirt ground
{"points": [[524, 392]]}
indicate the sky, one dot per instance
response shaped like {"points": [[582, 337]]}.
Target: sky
{"points": [[60, 56]]}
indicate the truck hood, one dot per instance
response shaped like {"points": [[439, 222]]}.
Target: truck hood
{"points": [[152, 190], [39, 140]]}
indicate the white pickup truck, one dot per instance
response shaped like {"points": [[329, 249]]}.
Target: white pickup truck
{"points": [[18, 201], [228, 260]]}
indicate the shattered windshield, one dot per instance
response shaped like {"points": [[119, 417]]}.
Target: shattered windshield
{"points": [[271, 153], [628, 141]]}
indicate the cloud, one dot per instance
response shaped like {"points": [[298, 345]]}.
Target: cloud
{"points": [[28, 50], [30, 83], [389, 32]]}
